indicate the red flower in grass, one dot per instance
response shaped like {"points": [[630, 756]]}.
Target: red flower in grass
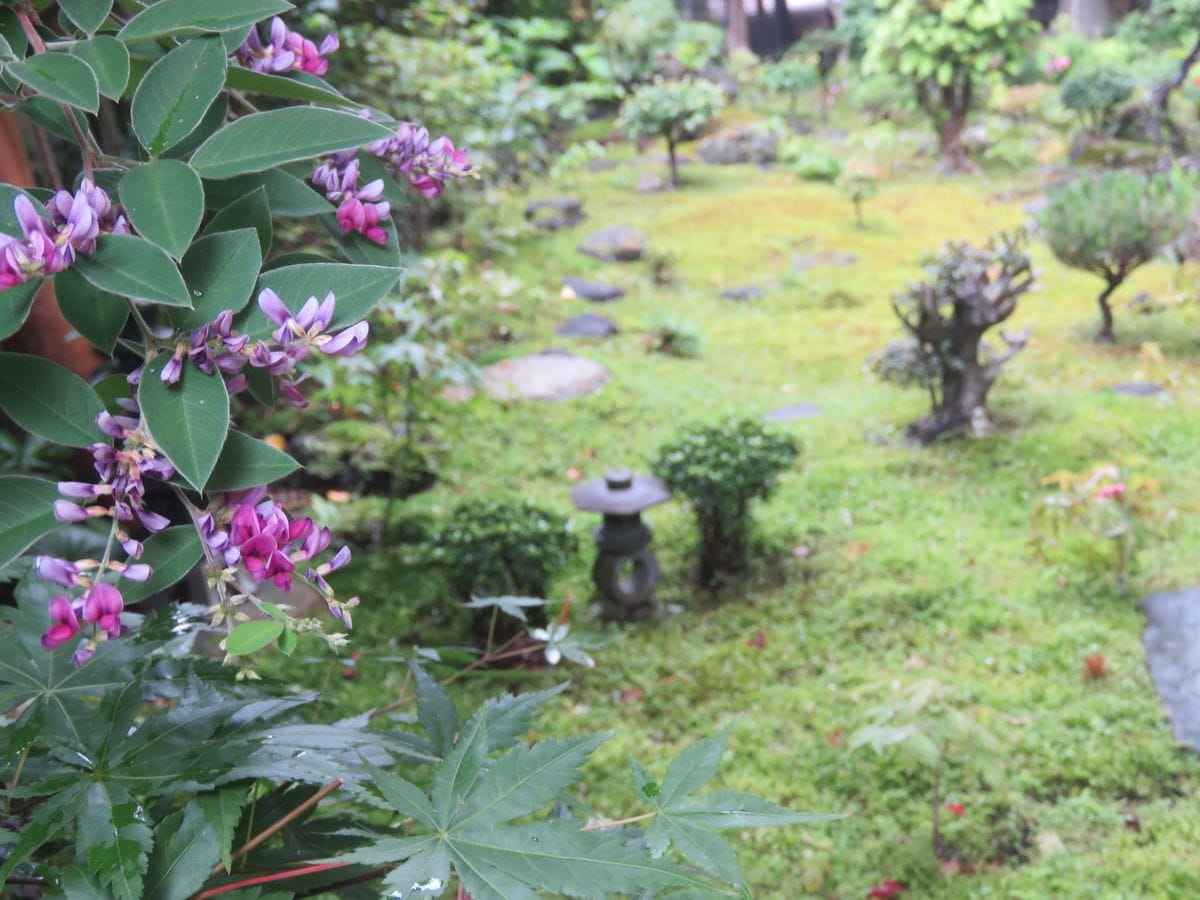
{"points": [[957, 808], [889, 888]]}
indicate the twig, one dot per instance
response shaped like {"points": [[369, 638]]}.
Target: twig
{"points": [[46, 152], [264, 879], [613, 823]]}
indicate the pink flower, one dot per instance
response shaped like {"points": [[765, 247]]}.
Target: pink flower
{"points": [[287, 50], [1113, 491], [1058, 64], [102, 606], [64, 623], [957, 808], [889, 888]]}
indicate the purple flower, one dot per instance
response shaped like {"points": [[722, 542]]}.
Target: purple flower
{"points": [[360, 209], [307, 327], [287, 50], [102, 606], [64, 623], [56, 570], [66, 511], [427, 165]]}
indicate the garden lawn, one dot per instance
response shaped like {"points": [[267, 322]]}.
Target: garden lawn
{"points": [[878, 564]]}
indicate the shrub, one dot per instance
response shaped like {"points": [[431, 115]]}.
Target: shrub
{"points": [[671, 109], [789, 77], [638, 38], [1112, 224], [720, 469], [950, 50], [966, 292], [1094, 97], [678, 339], [859, 182], [502, 547]]}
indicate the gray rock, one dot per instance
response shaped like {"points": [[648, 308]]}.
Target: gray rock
{"points": [[975, 138], [593, 291], [616, 243], [1138, 389], [740, 144], [603, 165], [1172, 641], [649, 183], [796, 411], [743, 293], [554, 375], [555, 212], [825, 258], [588, 325]]}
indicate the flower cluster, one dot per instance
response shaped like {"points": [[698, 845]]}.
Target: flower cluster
{"points": [[427, 165], [101, 605], [216, 347], [288, 50], [49, 245], [254, 531]]}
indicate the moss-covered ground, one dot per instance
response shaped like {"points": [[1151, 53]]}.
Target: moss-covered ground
{"points": [[917, 564]]}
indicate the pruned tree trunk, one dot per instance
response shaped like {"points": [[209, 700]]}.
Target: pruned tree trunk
{"points": [[1106, 333], [948, 107], [737, 33], [961, 409], [1160, 96], [950, 145], [724, 546], [672, 161]]}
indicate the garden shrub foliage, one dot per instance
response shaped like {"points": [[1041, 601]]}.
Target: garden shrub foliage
{"points": [[132, 766], [671, 109]]}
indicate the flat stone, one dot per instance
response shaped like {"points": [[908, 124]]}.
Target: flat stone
{"points": [[544, 376], [614, 244], [745, 292], [593, 291], [1172, 641], [603, 165], [795, 411], [739, 144], [554, 213], [649, 183], [588, 325], [825, 258], [1138, 389]]}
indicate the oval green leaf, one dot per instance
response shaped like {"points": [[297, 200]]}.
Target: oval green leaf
{"points": [[176, 92], [15, 304], [26, 513], [188, 420], [357, 289], [47, 400], [266, 139], [252, 82], [134, 268], [171, 16], [220, 271], [60, 77], [287, 195], [252, 210], [87, 14], [109, 60], [248, 462], [170, 554], [97, 315], [164, 201], [250, 637]]}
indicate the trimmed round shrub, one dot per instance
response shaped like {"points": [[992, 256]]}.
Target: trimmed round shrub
{"points": [[500, 547], [720, 469], [1094, 97]]}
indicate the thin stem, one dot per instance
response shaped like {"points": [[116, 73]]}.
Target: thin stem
{"points": [[142, 324], [16, 779], [266, 879], [613, 823], [82, 137], [35, 39], [46, 152], [280, 823]]}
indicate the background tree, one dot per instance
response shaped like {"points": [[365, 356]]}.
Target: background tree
{"points": [[671, 109], [950, 50]]}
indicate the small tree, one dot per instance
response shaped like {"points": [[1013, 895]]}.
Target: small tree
{"points": [[1114, 223], [789, 77], [859, 182], [950, 50], [671, 109], [720, 469], [966, 291], [1094, 97]]}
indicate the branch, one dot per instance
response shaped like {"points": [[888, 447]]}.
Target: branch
{"points": [[1016, 343]]}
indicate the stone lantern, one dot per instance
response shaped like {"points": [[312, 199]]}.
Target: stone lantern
{"points": [[626, 571]]}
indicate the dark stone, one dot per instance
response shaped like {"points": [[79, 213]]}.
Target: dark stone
{"points": [[796, 411], [588, 325], [825, 258], [563, 212], [1172, 641], [594, 291], [745, 292], [616, 243], [1138, 389], [741, 144]]}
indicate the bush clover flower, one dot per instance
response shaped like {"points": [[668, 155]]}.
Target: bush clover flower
{"points": [[287, 51]]}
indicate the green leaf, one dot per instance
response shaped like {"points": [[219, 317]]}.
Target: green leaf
{"points": [[287, 195], [362, 250], [87, 14], [704, 848], [250, 637], [357, 288], [184, 854], [164, 201], [510, 716], [109, 60], [456, 773], [251, 82], [435, 710], [50, 115], [248, 462], [15, 304], [262, 140], [170, 554], [97, 315], [26, 513], [734, 809], [251, 210], [214, 117], [114, 837], [134, 268], [223, 808], [47, 400], [60, 77], [8, 215], [175, 94], [48, 821], [188, 420], [694, 767], [220, 271], [287, 642], [404, 797], [173, 16]]}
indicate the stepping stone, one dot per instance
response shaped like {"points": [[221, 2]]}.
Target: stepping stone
{"points": [[1172, 641], [588, 325], [614, 244], [649, 183], [743, 293], [1138, 389], [593, 291], [825, 258], [796, 411], [603, 165], [550, 375], [563, 212]]}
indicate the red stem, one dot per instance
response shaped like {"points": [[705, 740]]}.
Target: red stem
{"points": [[264, 879]]}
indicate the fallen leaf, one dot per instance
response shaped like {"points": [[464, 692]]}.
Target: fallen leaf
{"points": [[857, 549], [950, 868], [629, 694], [338, 496], [1095, 666]]}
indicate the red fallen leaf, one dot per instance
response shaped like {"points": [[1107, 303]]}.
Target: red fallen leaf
{"points": [[350, 672], [837, 737], [957, 808], [629, 694], [1095, 666], [858, 548], [951, 867], [889, 888], [759, 640]]}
